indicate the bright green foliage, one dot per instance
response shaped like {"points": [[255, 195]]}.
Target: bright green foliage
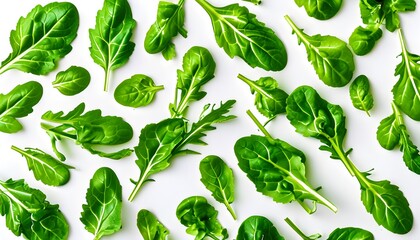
{"points": [[392, 132], [138, 91], [360, 94], [407, 90], [102, 214], [258, 228], [200, 218], [150, 227], [350, 233], [270, 100], [28, 213], [169, 22], [240, 34], [332, 59], [198, 69], [42, 38], [218, 179], [160, 142], [375, 14], [18, 103], [72, 81], [320, 9], [314, 117], [110, 39], [88, 130], [45, 167], [256, 2], [277, 169]]}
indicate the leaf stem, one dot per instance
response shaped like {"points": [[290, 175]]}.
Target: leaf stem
{"points": [[298, 231], [230, 209], [259, 125], [296, 30], [107, 77]]}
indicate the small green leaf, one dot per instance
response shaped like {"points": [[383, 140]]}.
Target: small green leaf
{"points": [[45, 167], [320, 9], [350, 233], [360, 94], [150, 227], [218, 179], [258, 228], [102, 214], [72, 81], [137, 91], [362, 40], [255, 2]]}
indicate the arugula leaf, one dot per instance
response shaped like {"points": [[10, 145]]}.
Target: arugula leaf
{"points": [[360, 94], [270, 100], [29, 214], [277, 169], [88, 130], [72, 81], [138, 91], [42, 38], [362, 40], [258, 228], [320, 9], [392, 8], [110, 39], [392, 132], [314, 117], [160, 142], [45, 167], [240, 34], [332, 59], [169, 22], [150, 227], [18, 103], [407, 90], [200, 218], [102, 214], [198, 69], [217, 177]]}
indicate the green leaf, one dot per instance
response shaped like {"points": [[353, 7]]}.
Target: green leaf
{"points": [[138, 91], [89, 129], [388, 133], [45, 167], [407, 90], [392, 8], [270, 100], [198, 69], [278, 170], [360, 94], [169, 22], [102, 214], [256, 2], [72, 81], [155, 149], [200, 218], [150, 227], [320, 9], [350, 233], [217, 177], [110, 39], [42, 38], [332, 59], [29, 214], [362, 40], [258, 228], [371, 11], [313, 116], [18, 103], [300, 233], [240, 34]]}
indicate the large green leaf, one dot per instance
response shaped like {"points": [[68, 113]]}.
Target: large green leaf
{"points": [[169, 22], [320, 9], [218, 179], [18, 103], [102, 214], [150, 227], [258, 228], [240, 34], [110, 39], [350, 233], [46, 168], [330, 56], [42, 38]]}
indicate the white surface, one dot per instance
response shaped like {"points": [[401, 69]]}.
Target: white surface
{"points": [[181, 180]]}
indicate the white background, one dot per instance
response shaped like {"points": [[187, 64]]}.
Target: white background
{"points": [[181, 180]]}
